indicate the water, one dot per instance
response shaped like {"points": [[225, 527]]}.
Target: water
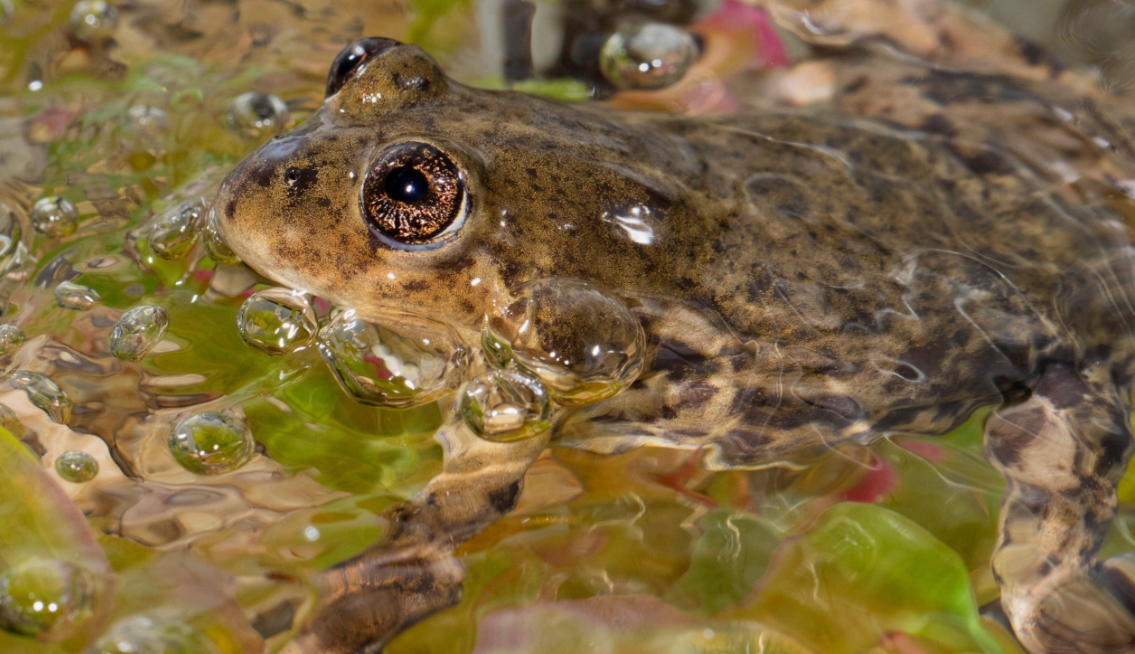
{"points": [[111, 123]]}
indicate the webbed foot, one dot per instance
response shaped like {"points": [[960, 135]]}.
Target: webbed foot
{"points": [[1062, 453]]}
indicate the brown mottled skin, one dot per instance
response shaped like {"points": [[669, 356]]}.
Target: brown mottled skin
{"points": [[927, 242]]}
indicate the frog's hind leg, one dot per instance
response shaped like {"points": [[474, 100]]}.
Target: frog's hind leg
{"points": [[412, 571], [1062, 453]]}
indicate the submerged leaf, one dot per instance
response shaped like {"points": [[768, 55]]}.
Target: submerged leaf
{"points": [[46, 536], [862, 574]]}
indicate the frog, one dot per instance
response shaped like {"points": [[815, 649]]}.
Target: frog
{"points": [[922, 242]]}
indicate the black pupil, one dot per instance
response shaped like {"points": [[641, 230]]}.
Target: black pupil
{"points": [[407, 185]]}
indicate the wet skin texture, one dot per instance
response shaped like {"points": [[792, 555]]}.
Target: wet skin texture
{"points": [[924, 244]]}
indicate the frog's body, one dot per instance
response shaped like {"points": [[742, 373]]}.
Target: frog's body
{"points": [[889, 262]]}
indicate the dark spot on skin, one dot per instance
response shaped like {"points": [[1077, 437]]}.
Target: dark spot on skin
{"points": [[845, 408], [230, 208], [263, 175], [680, 360], [1062, 386], [939, 124], [503, 499], [1122, 587], [856, 85], [1013, 432], [696, 394]]}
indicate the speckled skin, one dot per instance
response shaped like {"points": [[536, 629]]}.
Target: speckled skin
{"points": [[926, 243]]}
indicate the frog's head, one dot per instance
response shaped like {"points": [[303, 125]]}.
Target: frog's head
{"points": [[408, 189]]}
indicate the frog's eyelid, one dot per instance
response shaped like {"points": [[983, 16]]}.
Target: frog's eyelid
{"points": [[353, 59]]}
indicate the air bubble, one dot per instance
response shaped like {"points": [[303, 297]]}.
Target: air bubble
{"points": [[648, 56], [69, 295], [76, 467], [215, 246], [11, 338], [43, 393], [174, 232], [94, 20], [277, 321], [55, 217], [581, 343], [408, 361], [505, 405], [211, 443], [147, 120], [137, 332], [45, 598], [258, 114]]}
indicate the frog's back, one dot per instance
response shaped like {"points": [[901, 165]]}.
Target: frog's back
{"points": [[918, 247]]}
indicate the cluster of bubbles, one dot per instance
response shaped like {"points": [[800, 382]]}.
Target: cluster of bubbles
{"points": [[647, 56], [552, 343]]}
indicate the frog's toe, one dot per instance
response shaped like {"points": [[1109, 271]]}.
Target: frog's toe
{"points": [[1062, 453]]}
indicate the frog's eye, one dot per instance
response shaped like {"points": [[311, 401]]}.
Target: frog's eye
{"points": [[413, 193], [352, 58]]}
